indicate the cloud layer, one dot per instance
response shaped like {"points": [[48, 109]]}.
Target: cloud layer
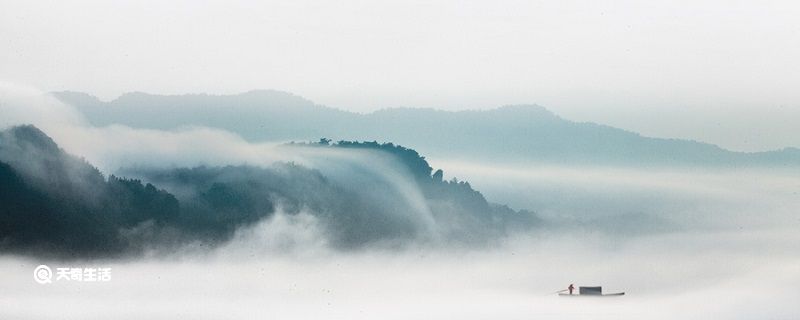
{"points": [[681, 243]]}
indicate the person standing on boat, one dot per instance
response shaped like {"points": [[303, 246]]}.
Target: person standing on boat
{"points": [[570, 288]]}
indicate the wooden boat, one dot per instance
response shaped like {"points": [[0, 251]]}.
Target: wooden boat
{"points": [[591, 292]]}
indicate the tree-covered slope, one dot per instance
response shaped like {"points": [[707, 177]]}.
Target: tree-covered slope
{"points": [[52, 203]]}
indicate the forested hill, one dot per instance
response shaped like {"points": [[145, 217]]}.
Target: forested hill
{"points": [[52, 203]]}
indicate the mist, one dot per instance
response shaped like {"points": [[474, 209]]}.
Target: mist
{"points": [[722, 275], [205, 183], [385, 159], [674, 198], [682, 242], [729, 252]]}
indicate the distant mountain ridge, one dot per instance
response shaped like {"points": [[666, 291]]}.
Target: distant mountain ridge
{"points": [[517, 133]]}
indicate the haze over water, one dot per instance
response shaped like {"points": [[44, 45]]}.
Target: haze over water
{"points": [[519, 101]]}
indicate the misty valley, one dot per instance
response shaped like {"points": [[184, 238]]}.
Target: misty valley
{"points": [[404, 213], [399, 160]]}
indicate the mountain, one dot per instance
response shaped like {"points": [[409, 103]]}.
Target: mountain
{"points": [[521, 133], [255, 115], [52, 203], [55, 204]]}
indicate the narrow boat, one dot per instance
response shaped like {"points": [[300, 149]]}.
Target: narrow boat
{"points": [[591, 292]]}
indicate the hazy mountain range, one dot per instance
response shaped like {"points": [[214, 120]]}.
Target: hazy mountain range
{"points": [[512, 133]]}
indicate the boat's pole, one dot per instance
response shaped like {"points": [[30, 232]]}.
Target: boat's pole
{"points": [[559, 291]]}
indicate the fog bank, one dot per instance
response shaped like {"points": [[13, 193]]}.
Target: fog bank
{"points": [[664, 277]]}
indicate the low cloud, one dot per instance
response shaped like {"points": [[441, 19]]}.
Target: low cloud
{"points": [[677, 198], [363, 194], [682, 243], [21, 104]]}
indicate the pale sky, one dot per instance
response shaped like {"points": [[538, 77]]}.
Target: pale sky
{"points": [[725, 72]]}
